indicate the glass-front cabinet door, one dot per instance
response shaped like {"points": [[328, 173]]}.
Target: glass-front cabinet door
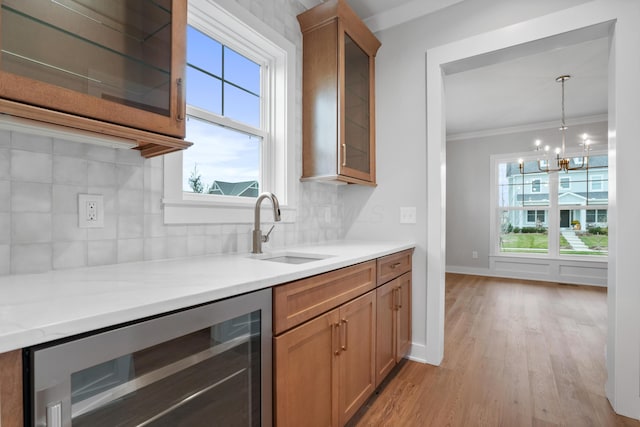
{"points": [[357, 139], [119, 61]]}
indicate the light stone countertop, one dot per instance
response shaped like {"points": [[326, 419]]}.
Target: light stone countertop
{"points": [[37, 308]]}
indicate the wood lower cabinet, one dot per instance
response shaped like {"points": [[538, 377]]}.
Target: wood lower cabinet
{"points": [[393, 324], [11, 389], [336, 337], [324, 368], [306, 375]]}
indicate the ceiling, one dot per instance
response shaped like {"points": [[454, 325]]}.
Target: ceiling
{"points": [[383, 14], [523, 91], [516, 91]]}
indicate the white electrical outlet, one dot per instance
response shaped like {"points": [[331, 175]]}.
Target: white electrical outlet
{"points": [[474, 254], [90, 211]]}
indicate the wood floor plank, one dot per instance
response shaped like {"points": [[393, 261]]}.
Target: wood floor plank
{"points": [[517, 354]]}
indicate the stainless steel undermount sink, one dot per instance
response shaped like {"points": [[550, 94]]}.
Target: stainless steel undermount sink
{"points": [[291, 258]]}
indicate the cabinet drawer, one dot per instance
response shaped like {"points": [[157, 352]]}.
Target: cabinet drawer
{"points": [[394, 265], [299, 301]]}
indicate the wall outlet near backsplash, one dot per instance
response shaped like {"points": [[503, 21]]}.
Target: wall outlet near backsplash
{"points": [[90, 211]]}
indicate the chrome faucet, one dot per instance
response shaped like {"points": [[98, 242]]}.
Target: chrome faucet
{"points": [[258, 238]]}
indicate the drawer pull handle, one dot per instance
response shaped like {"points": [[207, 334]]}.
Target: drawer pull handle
{"points": [[395, 265], [399, 298], [335, 333], [346, 336]]}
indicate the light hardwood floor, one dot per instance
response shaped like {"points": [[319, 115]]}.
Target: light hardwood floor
{"points": [[517, 353]]}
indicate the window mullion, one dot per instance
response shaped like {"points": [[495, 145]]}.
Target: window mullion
{"points": [[553, 228]]}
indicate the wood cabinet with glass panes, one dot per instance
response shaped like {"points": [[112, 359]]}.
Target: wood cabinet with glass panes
{"points": [[112, 68], [338, 141]]}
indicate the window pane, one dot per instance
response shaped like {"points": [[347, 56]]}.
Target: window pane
{"points": [[565, 182], [584, 232], [204, 91], [519, 235], [516, 189], [222, 160], [204, 52], [241, 71], [241, 106]]}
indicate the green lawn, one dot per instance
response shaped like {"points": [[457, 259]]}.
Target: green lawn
{"points": [[539, 243]]}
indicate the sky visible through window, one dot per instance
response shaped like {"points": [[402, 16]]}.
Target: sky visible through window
{"points": [[225, 83]]}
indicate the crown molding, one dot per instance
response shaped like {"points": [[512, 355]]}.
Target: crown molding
{"points": [[404, 13], [526, 128]]}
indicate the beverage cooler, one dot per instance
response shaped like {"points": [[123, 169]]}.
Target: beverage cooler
{"points": [[205, 366]]}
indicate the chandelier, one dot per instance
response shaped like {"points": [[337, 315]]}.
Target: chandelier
{"points": [[560, 162]]}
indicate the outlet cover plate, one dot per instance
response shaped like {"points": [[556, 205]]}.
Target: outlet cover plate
{"points": [[408, 215], [90, 211]]}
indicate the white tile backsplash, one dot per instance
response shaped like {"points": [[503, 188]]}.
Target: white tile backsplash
{"points": [[32, 258], [5, 163], [5, 139], [102, 252], [69, 170], [31, 166], [5, 228], [40, 179], [69, 254], [28, 227], [30, 197], [5, 196], [5, 259], [65, 228], [28, 142]]}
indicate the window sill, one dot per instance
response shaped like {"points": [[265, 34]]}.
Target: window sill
{"points": [[546, 257], [211, 212]]}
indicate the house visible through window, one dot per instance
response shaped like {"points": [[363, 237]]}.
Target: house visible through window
{"points": [[551, 214], [535, 186], [223, 119]]}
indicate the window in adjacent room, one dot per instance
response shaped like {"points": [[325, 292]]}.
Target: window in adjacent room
{"points": [[550, 214]]}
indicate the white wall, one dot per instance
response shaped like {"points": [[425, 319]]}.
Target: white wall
{"points": [[469, 208], [405, 116]]}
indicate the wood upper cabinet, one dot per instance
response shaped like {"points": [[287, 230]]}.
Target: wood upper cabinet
{"points": [[114, 68], [338, 95], [11, 389]]}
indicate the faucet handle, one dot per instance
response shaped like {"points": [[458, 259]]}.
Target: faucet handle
{"points": [[265, 238]]}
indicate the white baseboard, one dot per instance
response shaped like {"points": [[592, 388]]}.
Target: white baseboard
{"points": [[569, 271], [418, 353]]}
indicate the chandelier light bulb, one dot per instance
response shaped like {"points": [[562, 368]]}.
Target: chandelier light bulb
{"points": [[538, 142], [557, 150], [547, 148]]}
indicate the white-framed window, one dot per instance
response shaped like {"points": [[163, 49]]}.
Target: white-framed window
{"points": [[548, 214], [535, 186], [240, 117], [596, 182]]}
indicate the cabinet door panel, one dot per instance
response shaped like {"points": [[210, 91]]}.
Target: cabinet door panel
{"points": [[385, 330], [357, 364], [306, 376], [117, 62], [11, 389], [404, 317]]}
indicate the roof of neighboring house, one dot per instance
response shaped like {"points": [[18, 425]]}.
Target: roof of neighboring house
{"points": [[242, 189]]}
